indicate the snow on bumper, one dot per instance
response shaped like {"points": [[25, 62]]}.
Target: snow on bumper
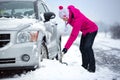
{"points": [[12, 56]]}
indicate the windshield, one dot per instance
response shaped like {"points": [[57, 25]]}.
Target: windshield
{"points": [[17, 9]]}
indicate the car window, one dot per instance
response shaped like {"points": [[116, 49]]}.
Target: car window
{"points": [[46, 8], [17, 9], [41, 8]]}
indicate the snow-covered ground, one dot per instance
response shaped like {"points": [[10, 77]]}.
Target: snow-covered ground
{"points": [[107, 54]]}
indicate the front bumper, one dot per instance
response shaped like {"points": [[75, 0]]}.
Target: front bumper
{"points": [[17, 68], [13, 55]]}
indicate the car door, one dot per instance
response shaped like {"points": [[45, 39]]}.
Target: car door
{"points": [[49, 25], [51, 31]]}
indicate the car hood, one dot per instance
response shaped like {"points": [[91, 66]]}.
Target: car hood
{"points": [[15, 24]]}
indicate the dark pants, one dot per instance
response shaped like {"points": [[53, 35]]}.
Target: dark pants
{"points": [[88, 59]]}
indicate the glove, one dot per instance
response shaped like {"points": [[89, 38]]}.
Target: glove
{"points": [[64, 50]]}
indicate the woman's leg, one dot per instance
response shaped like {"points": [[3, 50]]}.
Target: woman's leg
{"points": [[83, 53], [88, 51]]}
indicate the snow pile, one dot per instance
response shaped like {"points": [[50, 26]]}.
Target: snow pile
{"points": [[53, 70]]}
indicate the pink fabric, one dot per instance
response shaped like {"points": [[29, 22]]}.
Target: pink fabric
{"points": [[79, 23]]}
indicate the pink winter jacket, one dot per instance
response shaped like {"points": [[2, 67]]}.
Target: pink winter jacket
{"points": [[79, 23]]}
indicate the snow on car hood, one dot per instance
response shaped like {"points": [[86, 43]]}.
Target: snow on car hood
{"points": [[15, 24]]}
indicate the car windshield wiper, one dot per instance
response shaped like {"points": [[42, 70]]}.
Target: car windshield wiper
{"points": [[6, 16]]}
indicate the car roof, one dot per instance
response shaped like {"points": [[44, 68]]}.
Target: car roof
{"points": [[22, 0], [19, 0]]}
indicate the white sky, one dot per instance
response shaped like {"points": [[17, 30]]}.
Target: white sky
{"points": [[106, 11]]}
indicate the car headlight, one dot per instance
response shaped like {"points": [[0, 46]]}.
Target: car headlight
{"points": [[23, 37]]}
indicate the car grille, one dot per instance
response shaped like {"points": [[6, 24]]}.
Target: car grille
{"points": [[7, 60], [4, 39]]}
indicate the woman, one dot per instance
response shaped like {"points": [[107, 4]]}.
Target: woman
{"points": [[80, 22]]}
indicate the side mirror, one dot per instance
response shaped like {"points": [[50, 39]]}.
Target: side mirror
{"points": [[48, 16]]}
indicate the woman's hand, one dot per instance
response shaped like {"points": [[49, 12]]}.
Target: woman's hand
{"points": [[64, 50]]}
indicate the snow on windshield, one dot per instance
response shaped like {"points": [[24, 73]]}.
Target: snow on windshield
{"points": [[17, 9]]}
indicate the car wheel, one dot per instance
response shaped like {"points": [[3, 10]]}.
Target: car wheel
{"points": [[59, 49], [44, 51]]}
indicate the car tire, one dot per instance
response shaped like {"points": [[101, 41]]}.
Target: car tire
{"points": [[44, 52]]}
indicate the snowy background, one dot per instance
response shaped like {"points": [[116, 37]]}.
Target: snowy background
{"points": [[107, 50], [107, 54]]}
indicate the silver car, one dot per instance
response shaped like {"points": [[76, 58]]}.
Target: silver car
{"points": [[27, 34]]}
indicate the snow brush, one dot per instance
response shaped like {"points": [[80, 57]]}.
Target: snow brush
{"points": [[60, 60]]}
